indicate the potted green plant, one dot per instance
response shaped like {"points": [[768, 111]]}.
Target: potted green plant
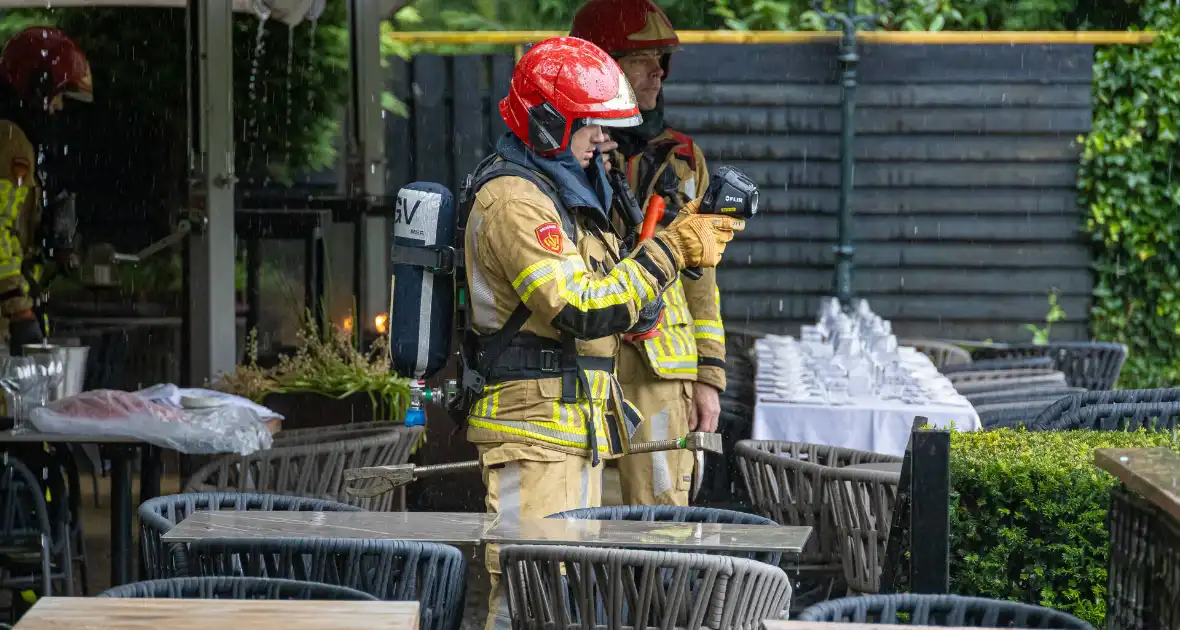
{"points": [[326, 380]]}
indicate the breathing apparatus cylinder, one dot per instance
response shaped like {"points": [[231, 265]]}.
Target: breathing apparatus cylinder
{"points": [[422, 299]]}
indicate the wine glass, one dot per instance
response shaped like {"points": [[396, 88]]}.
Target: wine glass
{"points": [[16, 377]]}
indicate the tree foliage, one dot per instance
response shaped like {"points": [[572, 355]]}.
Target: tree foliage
{"points": [[1130, 184]]}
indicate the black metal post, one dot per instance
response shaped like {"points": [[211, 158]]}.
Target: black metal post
{"points": [[849, 22], [930, 519]]}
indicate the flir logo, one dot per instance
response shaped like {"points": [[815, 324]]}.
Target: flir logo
{"points": [[732, 199]]}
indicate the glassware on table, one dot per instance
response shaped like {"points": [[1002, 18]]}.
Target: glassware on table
{"points": [[51, 364], [17, 376]]}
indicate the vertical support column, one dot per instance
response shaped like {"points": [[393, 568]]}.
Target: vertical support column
{"points": [[367, 160], [210, 309], [930, 520]]}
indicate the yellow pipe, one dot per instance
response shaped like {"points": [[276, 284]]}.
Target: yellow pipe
{"points": [[520, 38]]}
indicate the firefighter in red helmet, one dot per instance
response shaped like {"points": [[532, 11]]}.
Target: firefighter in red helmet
{"points": [[550, 293], [685, 361], [39, 68]]}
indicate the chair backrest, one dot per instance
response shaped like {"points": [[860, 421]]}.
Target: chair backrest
{"points": [[943, 611], [1089, 364], [676, 514], [861, 502], [313, 470], [233, 588], [999, 364], [332, 432], [1155, 416], [159, 515], [432, 574], [1079, 400], [786, 484], [553, 586], [941, 353]]}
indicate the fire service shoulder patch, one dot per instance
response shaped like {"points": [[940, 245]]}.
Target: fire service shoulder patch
{"points": [[549, 236]]}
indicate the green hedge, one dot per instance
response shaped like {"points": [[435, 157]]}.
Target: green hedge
{"points": [[1028, 516]]}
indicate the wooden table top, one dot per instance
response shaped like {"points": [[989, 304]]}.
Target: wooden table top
{"points": [[97, 613]]}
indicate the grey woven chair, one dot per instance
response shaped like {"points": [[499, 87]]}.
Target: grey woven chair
{"points": [[861, 502], [1161, 416], [676, 514], [434, 575], [314, 470], [555, 586], [159, 515], [1085, 399], [941, 353], [233, 588], [969, 383], [35, 544], [785, 481], [333, 432], [1020, 394], [942, 611], [1088, 364], [999, 364]]}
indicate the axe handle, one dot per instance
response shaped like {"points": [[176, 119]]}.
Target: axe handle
{"points": [[657, 446], [446, 469]]}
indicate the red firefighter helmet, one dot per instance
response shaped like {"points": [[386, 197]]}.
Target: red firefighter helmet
{"points": [[560, 81], [43, 63], [623, 26]]}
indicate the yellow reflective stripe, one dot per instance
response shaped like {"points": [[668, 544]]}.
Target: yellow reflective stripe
{"points": [[709, 329], [625, 283], [536, 431]]}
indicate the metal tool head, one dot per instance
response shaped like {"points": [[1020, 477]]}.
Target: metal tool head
{"points": [[698, 473], [710, 442], [375, 481]]}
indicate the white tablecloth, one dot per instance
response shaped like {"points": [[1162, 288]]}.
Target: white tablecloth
{"points": [[882, 426], [867, 424]]}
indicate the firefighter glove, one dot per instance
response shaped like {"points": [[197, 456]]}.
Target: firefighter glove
{"points": [[700, 238], [23, 329]]}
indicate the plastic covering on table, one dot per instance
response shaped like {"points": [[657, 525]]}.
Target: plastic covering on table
{"points": [[228, 428]]}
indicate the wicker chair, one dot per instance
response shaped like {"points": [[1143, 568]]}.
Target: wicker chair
{"points": [[36, 539], [676, 514], [971, 383], [158, 516], [1088, 364], [861, 502], [333, 432], [1161, 416], [434, 575], [942, 611], [1021, 394], [1054, 412], [999, 364], [785, 481], [314, 470], [234, 588], [554, 586], [941, 353]]}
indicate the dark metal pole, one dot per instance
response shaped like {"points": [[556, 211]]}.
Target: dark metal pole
{"points": [[848, 21]]}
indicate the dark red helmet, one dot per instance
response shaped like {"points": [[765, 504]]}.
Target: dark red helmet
{"points": [[560, 81], [623, 26], [41, 62]]}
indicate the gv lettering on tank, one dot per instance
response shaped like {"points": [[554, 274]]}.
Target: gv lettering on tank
{"points": [[404, 213]]}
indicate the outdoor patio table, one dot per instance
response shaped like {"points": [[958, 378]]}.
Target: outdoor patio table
{"points": [[649, 535], [865, 423], [121, 450], [452, 528], [77, 613], [463, 528]]}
